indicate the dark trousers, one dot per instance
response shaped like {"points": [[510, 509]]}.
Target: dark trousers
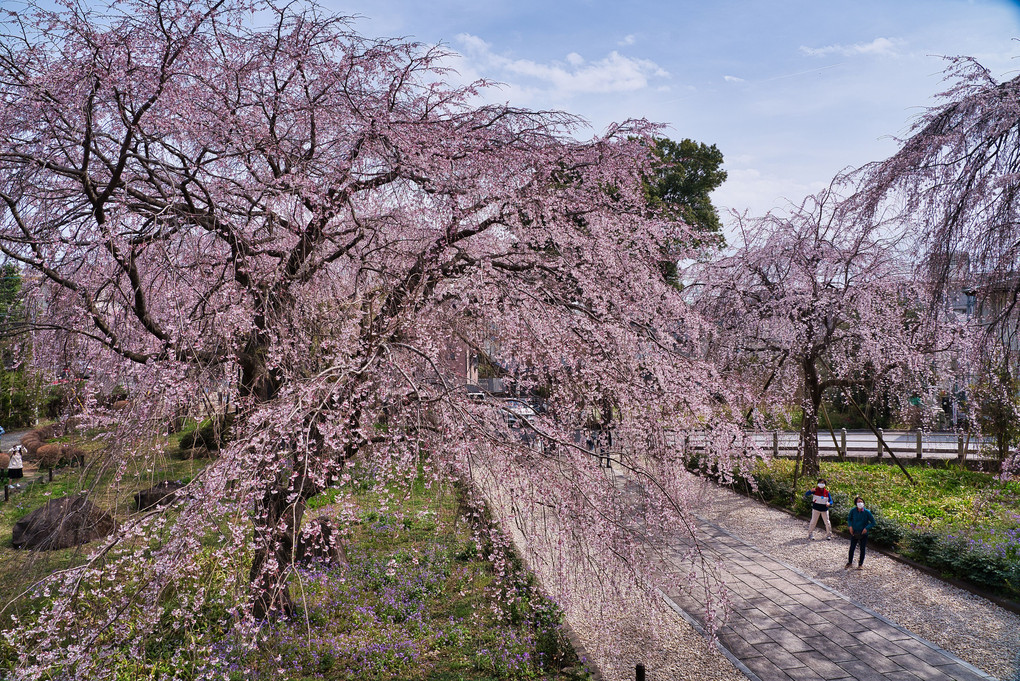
{"points": [[862, 539]]}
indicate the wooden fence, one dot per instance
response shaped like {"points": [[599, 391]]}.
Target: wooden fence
{"points": [[907, 444], [843, 444]]}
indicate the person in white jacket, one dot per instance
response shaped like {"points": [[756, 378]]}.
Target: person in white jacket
{"points": [[16, 467], [821, 501]]}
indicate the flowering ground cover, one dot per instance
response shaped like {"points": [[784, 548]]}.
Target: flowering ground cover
{"points": [[964, 523], [430, 591]]}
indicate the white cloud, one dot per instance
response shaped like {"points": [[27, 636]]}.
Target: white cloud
{"points": [[627, 40], [472, 43], [759, 192], [613, 73], [878, 46], [733, 79]]}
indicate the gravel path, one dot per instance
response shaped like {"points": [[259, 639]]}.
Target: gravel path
{"points": [[968, 626]]}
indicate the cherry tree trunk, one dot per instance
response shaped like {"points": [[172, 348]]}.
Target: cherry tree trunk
{"points": [[278, 512], [277, 525], [809, 423]]}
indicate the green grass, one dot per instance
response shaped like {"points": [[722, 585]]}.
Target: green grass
{"points": [[942, 499], [20, 569]]}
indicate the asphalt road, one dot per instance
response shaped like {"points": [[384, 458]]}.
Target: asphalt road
{"points": [[11, 438]]}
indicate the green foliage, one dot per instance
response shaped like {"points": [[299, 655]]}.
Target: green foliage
{"points": [[683, 175], [20, 395], [966, 558], [21, 390], [996, 397], [12, 312], [886, 532], [212, 433]]}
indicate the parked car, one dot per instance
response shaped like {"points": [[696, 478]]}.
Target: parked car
{"points": [[517, 411]]}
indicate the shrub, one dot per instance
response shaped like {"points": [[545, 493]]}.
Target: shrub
{"points": [[773, 489], [992, 566], [212, 434], [887, 532]]}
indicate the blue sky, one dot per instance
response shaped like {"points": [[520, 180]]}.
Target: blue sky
{"points": [[790, 91]]}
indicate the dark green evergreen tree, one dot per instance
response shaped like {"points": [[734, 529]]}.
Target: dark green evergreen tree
{"points": [[683, 176]]}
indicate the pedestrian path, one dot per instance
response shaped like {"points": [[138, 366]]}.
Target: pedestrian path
{"points": [[786, 626], [11, 438]]}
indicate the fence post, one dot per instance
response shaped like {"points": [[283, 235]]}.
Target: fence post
{"points": [[880, 438], [639, 672], [920, 444], [775, 444], [959, 445], [842, 443]]}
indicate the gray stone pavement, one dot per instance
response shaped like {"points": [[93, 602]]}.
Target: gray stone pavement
{"points": [[785, 626]]}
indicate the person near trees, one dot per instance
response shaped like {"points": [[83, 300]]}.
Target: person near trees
{"points": [[821, 501], [859, 520], [15, 468]]}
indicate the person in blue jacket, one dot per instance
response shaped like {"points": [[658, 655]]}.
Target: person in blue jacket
{"points": [[860, 520]]}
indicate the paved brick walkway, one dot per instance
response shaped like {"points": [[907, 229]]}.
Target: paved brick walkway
{"points": [[785, 626]]}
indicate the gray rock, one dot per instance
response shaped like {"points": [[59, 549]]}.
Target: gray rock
{"points": [[159, 495], [62, 523]]}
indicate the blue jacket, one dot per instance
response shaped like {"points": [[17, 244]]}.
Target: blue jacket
{"points": [[860, 520]]}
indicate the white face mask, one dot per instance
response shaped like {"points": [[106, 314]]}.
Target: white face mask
{"points": [[860, 505], [821, 485]]}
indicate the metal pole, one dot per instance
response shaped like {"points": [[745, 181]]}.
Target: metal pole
{"points": [[920, 444]]}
